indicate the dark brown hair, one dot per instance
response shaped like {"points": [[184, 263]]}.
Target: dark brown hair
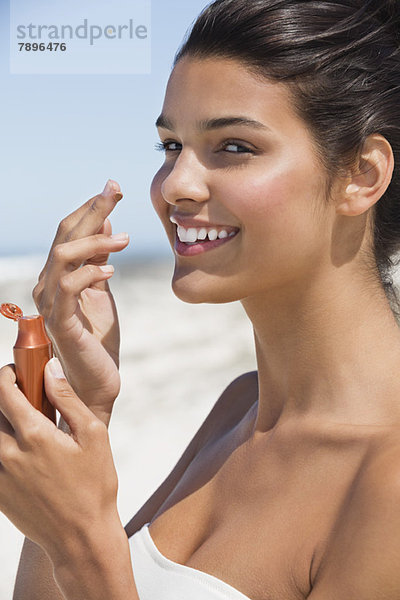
{"points": [[341, 61]]}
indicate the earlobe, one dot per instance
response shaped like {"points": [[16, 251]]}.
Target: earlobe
{"points": [[367, 184]]}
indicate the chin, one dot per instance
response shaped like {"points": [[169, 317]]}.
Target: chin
{"points": [[196, 287]]}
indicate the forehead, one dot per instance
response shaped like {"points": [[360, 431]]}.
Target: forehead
{"points": [[213, 87]]}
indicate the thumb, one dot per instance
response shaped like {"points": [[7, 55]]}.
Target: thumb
{"points": [[61, 395]]}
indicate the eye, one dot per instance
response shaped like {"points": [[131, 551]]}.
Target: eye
{"points": [[164, 146], [232, 143]]}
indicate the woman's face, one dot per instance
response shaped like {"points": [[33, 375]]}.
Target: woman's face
{"points": [[260, 184]]}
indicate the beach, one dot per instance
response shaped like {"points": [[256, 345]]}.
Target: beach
{"points": [[176, 359]]}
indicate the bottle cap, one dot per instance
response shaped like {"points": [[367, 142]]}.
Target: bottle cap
{"points": [[11, 311]]}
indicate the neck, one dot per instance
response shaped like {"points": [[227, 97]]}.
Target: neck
{"points": [[330, 353]]}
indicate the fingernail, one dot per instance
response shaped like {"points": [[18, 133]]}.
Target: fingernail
{"points": [[119, 237], [107, 268], [56, 368], [111, 190]]}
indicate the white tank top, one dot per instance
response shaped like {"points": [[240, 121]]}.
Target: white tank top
{"points": [[158, 578]]}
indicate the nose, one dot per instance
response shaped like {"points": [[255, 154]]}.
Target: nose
{"points": [[186, 181]]}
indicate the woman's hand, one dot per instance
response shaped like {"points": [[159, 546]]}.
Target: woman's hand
{"points": [[58, 489], [74, 298]]}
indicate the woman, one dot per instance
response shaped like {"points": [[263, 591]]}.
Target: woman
{"points": [[280, 189]]}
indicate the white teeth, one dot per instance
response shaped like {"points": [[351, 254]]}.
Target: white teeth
{"points": [[191, 235], [182, 234]]}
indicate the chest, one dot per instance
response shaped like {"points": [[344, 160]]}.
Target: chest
{"points": [[254, 517]]}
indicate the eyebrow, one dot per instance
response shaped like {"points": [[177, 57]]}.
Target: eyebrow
{"points": [[210, 124]]}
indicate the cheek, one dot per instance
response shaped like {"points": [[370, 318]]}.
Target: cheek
{"points": [[159, 204], [289, 193], [277, 212], [265, 202]]}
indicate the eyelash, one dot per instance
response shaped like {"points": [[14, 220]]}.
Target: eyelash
{"points": [[162, 147]]}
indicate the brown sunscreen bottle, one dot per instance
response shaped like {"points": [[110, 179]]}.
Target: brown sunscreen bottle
{"points": [[32, 350]]}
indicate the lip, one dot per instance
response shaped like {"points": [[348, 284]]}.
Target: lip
{"points": [[187, 222]]}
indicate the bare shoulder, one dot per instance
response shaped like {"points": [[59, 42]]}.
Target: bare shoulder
{"points": [[363, 555], [231, 406]]}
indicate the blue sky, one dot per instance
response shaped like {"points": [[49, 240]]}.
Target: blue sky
{"points": [[63, 136]]}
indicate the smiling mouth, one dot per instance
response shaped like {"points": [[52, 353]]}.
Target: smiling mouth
{"points": [[202, 234], [203, 240], [192, 235]]}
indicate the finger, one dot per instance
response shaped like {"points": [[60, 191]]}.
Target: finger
{"points": [[102, 286], [8, 443], [8, 450], [60, 393], [13, 404], [69, 227], [5, 426], [106, 228], [97, 211], [70, 287], [113, 192], [68, 257], [101, 258], [110, 195]]}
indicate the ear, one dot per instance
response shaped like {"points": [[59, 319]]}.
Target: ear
{"points": [[370, 179]]}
